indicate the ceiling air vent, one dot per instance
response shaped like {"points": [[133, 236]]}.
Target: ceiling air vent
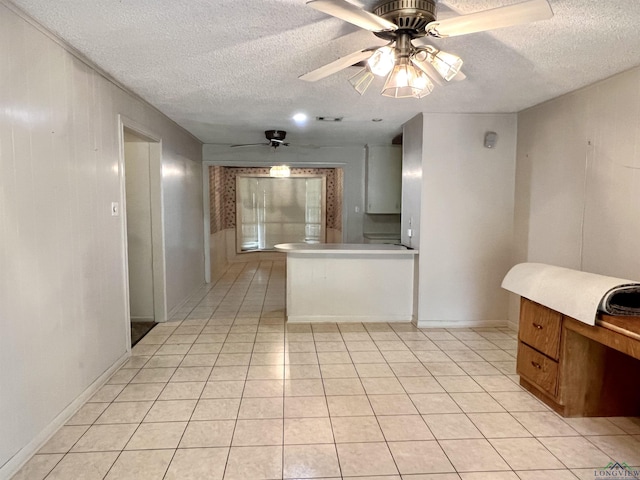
{"points": [[329, 119]]}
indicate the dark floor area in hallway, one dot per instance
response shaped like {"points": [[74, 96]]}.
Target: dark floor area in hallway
{"points": [[139, 330]]}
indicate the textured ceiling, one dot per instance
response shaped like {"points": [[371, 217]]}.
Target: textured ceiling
{"points": [[227, 70]]}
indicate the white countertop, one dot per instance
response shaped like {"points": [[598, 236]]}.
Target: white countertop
{"points": [[344, 249]]}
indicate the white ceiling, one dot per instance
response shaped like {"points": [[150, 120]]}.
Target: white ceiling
{"points": [[227, 70]]}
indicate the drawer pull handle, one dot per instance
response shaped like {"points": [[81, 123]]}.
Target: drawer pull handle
{"points": [[536, 365], [537, 325]]}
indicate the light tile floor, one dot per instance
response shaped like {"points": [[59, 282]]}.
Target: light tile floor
{"points": [[228, 390]]}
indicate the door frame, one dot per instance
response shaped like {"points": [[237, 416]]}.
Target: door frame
{"points": [[157, 218]]}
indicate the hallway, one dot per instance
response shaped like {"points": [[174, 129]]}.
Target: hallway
{"points": [[226, 390]]}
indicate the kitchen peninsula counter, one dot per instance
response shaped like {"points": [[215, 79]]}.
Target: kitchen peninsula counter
{"points": [[345, 282]]}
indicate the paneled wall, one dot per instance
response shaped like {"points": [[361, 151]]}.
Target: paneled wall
{"points": [[63, 308], [578, 180]]}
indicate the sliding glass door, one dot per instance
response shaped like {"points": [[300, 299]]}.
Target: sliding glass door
{"points": [[279, 210]]}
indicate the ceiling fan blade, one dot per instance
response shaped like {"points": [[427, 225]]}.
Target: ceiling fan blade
{"points": [[263, 144], [351, 13], [336, 66], [529, 11]]}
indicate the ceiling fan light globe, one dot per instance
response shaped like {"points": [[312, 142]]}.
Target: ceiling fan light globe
{"points": [[361, 80], [407, 81], [447, 64], [382, 61], [423, 84]]}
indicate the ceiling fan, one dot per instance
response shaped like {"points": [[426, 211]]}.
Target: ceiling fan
{"points": [[409, 62], [275, 138]]}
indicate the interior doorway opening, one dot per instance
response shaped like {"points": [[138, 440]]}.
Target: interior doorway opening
{"points": [[322, 222], [142, 209]]}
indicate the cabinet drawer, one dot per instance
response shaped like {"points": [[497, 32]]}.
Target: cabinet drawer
{"points": [[538, 369], [540, 327]]}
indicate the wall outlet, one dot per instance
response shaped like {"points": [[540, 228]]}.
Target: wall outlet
{"points": [[115, 209], [409, 232]]}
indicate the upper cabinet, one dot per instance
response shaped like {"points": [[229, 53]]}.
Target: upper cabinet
{"points": [[384, 179]]}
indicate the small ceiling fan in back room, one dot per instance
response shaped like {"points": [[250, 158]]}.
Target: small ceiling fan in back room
{"points": [[411, 64], [275, 138]]}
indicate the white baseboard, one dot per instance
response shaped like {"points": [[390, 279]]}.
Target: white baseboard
{"points": [[348, 319], [142, 319], [461, 323], [25, 453]]}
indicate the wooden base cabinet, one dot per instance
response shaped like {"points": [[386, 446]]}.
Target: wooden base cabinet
{"points": [[577, 369]]}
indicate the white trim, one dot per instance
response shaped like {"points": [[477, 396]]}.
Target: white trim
{"points": [[159, 254], [123, 239], [462, 323], [348, 318], [29, 450]]}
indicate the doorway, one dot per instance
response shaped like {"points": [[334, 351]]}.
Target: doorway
{"points": [[142, 209]]}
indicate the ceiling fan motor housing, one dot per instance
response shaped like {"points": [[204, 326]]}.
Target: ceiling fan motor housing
{"points": [[411, 16], [275, 134]]}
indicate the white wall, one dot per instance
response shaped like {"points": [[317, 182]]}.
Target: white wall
{"points": [[466, 219], [139, 244], [578, 180], [63, 312], [351, 159]]}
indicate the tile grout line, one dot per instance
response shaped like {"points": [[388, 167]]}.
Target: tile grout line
{"points": [[230, 303], [235, 425], [326, 401]]}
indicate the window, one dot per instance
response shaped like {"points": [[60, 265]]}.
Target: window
{"points": [[279, 210]]}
